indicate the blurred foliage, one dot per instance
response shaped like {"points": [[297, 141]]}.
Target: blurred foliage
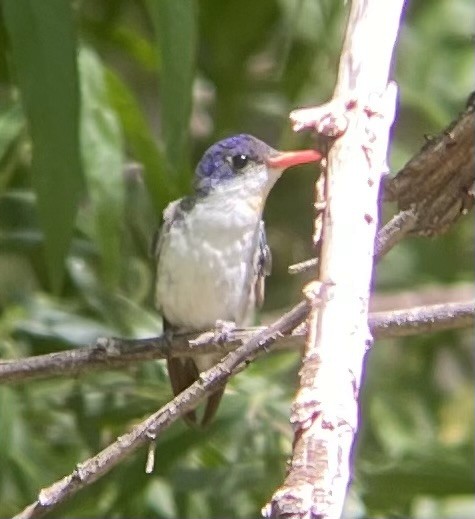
{"points": [[104, 109]]}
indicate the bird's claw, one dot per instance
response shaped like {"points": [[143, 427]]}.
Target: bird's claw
{"points": [[168, 335], [222, 331]]}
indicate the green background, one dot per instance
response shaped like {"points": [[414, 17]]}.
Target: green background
{"points": [[105, 108]]}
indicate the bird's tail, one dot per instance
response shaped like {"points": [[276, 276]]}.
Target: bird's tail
{"points": [[183, 372]]}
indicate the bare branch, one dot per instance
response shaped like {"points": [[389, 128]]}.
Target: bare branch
{"points": [[114, 353], [433, 189], [303, 266], [105, 353], [422, 319], [383, 324], [437, 183], [393, 232], [324, 414], [91, 469]]}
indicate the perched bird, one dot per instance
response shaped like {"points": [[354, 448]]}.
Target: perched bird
{"points": [[211, 252]]}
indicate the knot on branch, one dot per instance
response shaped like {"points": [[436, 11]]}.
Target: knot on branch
{"points": [[438, 183]]}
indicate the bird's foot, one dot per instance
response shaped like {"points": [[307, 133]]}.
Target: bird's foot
{"points": [[222, 331], [168, 335]]}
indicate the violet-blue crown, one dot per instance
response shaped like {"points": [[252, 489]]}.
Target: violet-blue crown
{"points": [[217, 163]]}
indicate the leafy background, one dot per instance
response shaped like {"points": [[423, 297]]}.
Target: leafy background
{"points": [[104, 109]]}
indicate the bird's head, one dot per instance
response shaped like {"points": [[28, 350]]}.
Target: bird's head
{"points": [[246, 165]]}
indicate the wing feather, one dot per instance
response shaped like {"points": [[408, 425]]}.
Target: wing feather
{"points": [[169, 214], [263, 266]]}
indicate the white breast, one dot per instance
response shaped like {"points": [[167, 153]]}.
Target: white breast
{"points": [[205, 268]]}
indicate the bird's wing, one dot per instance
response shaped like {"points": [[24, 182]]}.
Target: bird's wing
{"points": [[263, 265], [174, 211], [182, 371], [169, 215]]}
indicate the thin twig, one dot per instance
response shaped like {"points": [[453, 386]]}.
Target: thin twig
{"points": [[393, 232], [422, 319], [303, 266], [115, 353], [388, 236]]}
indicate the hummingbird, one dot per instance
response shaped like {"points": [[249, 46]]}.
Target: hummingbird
{"points": [[211, 251]]}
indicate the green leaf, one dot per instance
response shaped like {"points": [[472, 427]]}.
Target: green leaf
{"points": [[175, 30], [135, 46], [427, 473], [142, 142], [43, 45], [11, 122], [8, 416], [101, 147], [46, 319]]}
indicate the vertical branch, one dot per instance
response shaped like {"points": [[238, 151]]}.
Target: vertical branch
{"points": [[325, 410]]}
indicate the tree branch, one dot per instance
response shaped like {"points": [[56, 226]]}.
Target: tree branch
{"points": [[114, 353], [210, 380], [384, 324], [324, 414], [393, 232], [433, 190], [422, 319], [438, 182]]}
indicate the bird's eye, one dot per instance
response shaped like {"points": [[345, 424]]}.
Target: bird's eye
{"points": [[239, 161]]}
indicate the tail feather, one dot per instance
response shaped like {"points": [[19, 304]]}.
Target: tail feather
{"points": [[212, 405], [183, 373]]}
